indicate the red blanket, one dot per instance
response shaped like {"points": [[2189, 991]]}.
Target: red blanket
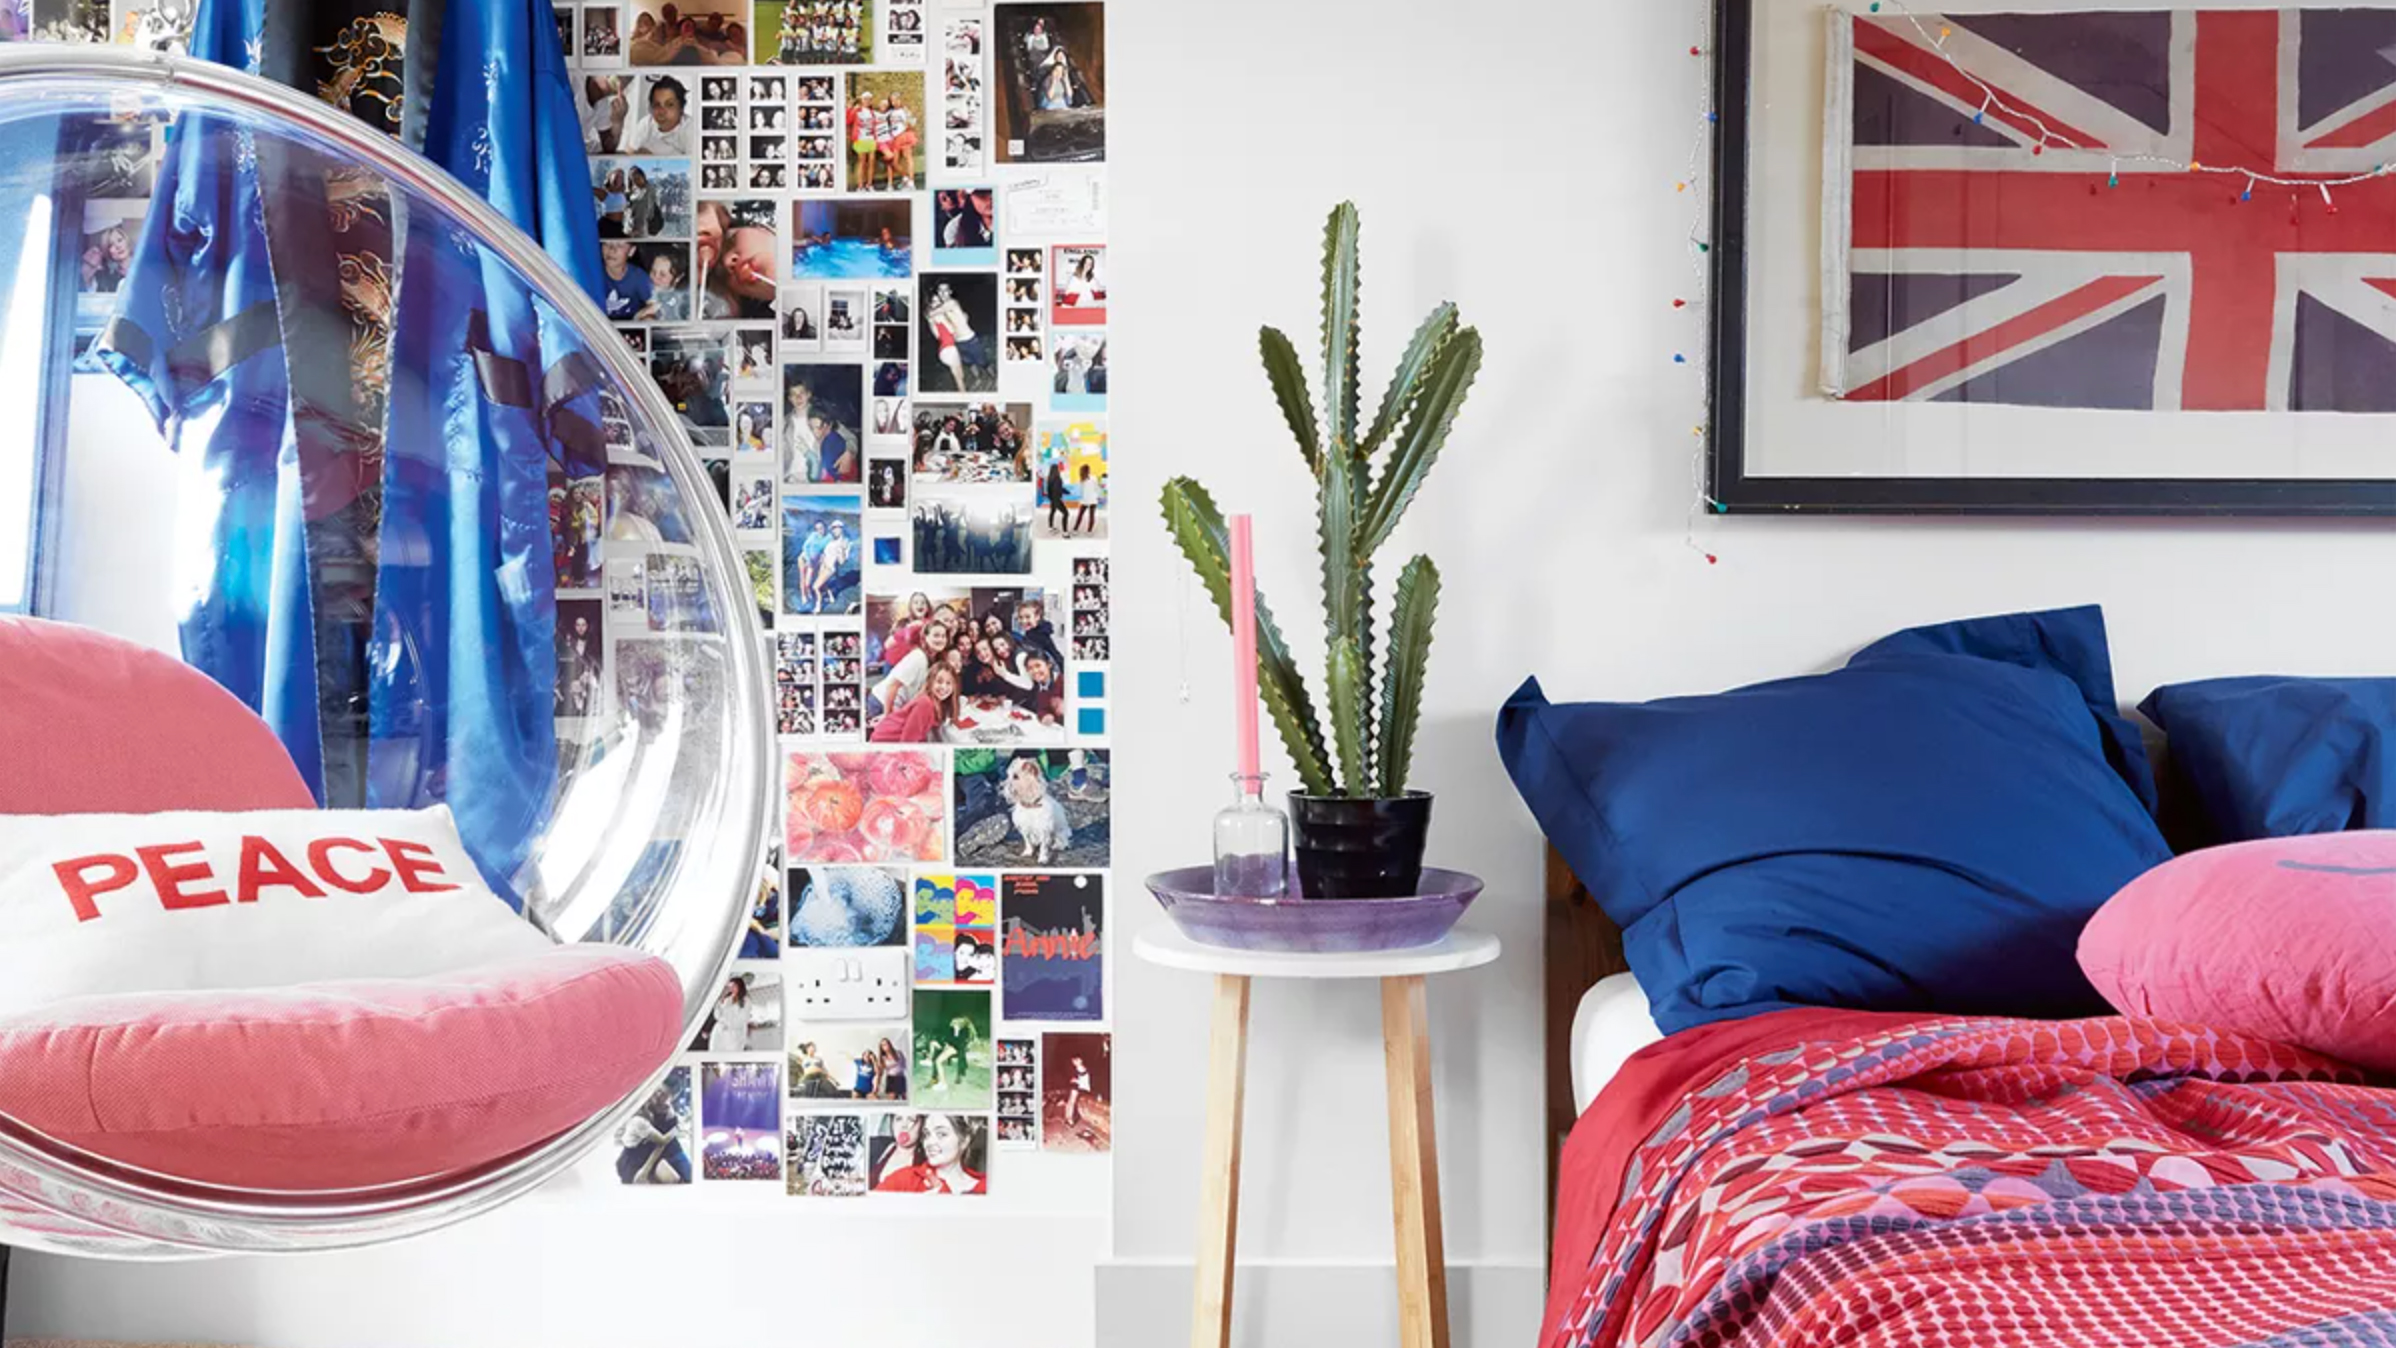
{"points": [[1828, 1177]]}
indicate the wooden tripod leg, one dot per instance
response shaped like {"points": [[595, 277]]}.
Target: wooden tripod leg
{"points": [[1219, 1185], [1414, 1166]]}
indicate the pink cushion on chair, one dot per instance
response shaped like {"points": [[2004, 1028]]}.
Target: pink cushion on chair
{"points": [[93, 724], [2292, 939], [331, 1086]]}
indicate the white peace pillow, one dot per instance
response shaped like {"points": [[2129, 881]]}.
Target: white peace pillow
{"points": [[98, 904]]}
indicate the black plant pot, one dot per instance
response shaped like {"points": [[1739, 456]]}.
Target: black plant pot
{"points": [[1359, 847]]}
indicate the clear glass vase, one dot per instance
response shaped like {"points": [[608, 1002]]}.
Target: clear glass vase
{"points": [[1252, 843]]}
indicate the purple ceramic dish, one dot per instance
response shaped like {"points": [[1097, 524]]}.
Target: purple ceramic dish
{"points": [[1313, 926]]}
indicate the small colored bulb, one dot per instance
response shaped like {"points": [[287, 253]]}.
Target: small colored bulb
{"points": [[1679, 359], [1680, 304]]}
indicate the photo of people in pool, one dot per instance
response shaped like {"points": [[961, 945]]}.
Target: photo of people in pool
{"points": [[851, 240], [956, 335], [693, 368], [1052, 83], [821, 408], [736, 255], [689, 33], [882, 128]]}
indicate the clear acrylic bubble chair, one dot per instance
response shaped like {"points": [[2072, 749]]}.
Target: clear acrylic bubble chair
{"points": [[281, 400]]}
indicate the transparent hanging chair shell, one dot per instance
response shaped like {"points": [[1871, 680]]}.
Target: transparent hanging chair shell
{"points": [[653, 833]]}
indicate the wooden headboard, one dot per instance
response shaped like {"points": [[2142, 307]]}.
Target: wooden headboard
{"points": [[1583, 946]]}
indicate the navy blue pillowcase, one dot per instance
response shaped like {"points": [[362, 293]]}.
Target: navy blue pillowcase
{"points": [[1926, 829], [2272, 757]]}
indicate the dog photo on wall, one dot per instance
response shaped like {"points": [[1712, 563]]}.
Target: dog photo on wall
{"points": [[1032, 807]]}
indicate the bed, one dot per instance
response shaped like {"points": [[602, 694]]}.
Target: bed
{"points": [[1884, 913], [1840, 1177]]}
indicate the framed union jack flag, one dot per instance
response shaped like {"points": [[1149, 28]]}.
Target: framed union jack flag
{"points": [[2068, 260]]}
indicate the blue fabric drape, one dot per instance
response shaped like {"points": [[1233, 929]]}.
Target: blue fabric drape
{"points": [[468, 567], [197, 336]]}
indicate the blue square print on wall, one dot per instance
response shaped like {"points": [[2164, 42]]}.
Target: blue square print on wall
{"points": [[1093, 683], [1093, 720]]}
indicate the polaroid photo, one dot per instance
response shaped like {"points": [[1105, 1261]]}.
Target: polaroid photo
{"points": [[954, 1052], [602, 35], [892, 344], [762, 571], [653, 1144], [972, 441], [956, 332], [577, 523], [902, 32], [929, 1154], [844, 1061], [754, 502], [1077, 371], [899, 793], [754, 356], [891, 103], [642, 199], [747, 1016], [581, 657], [643, 506], [845, 323], [815, 32], [852, 240], [891, 418], [689, 32], [890, 379], [1071, 480], [823, 407], [1052, 950], [825, 1155], [1077, 1090], [802, 319], [740, 1120], [956, 929], [978, 530], [769, 88], [753, 430], [677, 594], [627, 592], [1049, 58], [762, 939], [885, 484], [822, 561], [693, 368], [1032, 808], [965, 227], [1077, 288]]}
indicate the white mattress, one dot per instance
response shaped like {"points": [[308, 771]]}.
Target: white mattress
{"points": [[1611, 1024]]}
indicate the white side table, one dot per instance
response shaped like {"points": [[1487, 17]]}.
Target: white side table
{"points": [[1413, 1154]]}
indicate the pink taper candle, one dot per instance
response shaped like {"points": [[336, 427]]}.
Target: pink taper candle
{"points": [[1243, 640]]}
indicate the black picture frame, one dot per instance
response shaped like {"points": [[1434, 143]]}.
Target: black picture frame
{"points": [[1731, 490]]}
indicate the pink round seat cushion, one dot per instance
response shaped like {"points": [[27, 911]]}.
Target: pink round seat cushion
{"points": [[94, 724], [2292, 939], [343, 1086]]}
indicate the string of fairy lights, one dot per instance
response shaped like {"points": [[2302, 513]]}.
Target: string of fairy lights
{"points": [[1694, 189]]}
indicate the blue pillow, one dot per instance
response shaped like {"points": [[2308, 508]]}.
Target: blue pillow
{"points": [[2270, 757], [1926, 829]]}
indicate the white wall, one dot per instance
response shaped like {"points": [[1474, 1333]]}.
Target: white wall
{"points": [[1516, 156], [1519, 159]]}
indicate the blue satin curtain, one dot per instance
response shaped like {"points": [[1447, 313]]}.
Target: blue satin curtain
{"points": [[298, 462]]}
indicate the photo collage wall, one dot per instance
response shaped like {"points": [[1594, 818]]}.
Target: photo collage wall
{"points": [[862, 247]]}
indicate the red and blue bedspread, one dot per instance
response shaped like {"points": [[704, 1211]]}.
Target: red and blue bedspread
{"points": [[1825, 1177]]}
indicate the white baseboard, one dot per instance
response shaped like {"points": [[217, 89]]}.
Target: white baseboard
{"points": [[1147, 1302]]}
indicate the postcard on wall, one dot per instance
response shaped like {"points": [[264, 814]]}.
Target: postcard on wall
{"points": [[1077, 1091], [1052, 959], [956, 929], [883, 804], [747, 1017], [740, 1120], [1051, 76], [955, 1051], [929, 1154], [848, 1060], [1061, 205], [826, 1155], [1032, 808], [653, 1144]]}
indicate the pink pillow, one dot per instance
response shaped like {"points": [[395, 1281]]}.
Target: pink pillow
{"points": [[2291, 939], [93, 724], [345, 1085]]}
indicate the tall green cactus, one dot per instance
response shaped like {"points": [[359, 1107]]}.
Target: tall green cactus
{"points": [[1365, 477]]}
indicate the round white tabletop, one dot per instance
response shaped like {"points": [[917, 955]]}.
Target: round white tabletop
{"points": [[1462, 948]]}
